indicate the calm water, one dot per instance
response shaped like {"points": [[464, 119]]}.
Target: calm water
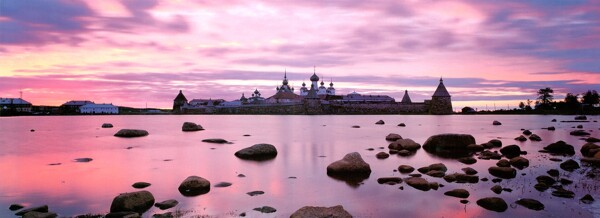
{"points": [[306, 145]]}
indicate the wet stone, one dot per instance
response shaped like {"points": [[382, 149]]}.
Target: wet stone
{"points": [[255, 193], [265, 209], [530, 204]]}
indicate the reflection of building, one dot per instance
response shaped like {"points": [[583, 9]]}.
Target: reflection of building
{"points": [[14, 105], [99, 109], [316, 100], [72, 107]]}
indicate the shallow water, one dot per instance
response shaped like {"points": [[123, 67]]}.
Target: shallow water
{"points": [[306, 145]]}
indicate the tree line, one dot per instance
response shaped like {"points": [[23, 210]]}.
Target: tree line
{"points": [[584, 103]]}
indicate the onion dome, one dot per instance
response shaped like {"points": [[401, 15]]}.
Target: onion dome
{"points": [[243, 98], [322, 83], [314, 77], [331, 84], [303, 84], [256, 91]]}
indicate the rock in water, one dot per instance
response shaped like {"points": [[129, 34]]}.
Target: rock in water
{"points": [[496, 123], [535, 138], [521, 138], [321, 212], [408, 144], [418, 183], [14, 207], [351, 164], [589, 149], [493, 204], [389, 180], [194, 186], [138, 202], [380, 122], [579, 132], [382, 155], [35, 214], [223, 184], [43, 209], [405, 169], [569, 165], [560, 148], [519, 162], [454, 145], [163, 205], [393, 137], [254, 193], [459, 193], [503, 172], [190, 127], [130, 133], [511, 151], [530, 204], [257, 152], [107, 125], [402, 125], [140, 185], [527, 132], [265, 209], [587, 199], [215, 140]]}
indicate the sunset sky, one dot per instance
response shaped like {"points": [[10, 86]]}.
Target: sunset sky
{"points": [[138, 52]]}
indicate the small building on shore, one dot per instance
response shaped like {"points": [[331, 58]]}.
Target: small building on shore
{"points": [[72, 107], [14, 106], [99, 109]]}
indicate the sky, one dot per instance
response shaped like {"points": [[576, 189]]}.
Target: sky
{"points": [[142, 52]]}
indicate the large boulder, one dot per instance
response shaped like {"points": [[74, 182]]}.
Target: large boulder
{"points": [[130, 133], [35, 214], [190, 127], [321, 212], [503, 172], [535, 138], [511, 151], [493, 204], [393, 137], [452, 145], [496, 123], [257, 152], [194, 186], [569, 165], [560, 148], [138, 202], [352, 169], [107, 125], [589, 149]]}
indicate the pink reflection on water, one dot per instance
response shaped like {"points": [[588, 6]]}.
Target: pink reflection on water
{"points": [[305, 148]]}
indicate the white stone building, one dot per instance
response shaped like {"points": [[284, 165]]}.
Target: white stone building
{"points": [[99, 109]]}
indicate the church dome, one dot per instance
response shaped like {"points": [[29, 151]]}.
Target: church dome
{"points": [[314, 77], [303, 84]]}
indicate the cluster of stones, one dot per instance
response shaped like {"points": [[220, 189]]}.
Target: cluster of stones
{"points": [[353, 169]]}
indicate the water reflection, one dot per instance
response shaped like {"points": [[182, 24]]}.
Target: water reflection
{"points": [[306, 146]]}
